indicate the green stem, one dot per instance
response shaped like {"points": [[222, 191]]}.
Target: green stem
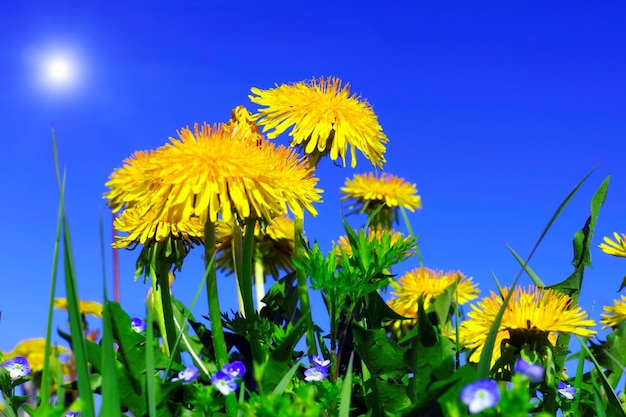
{"points": [[303, 289], [245, 274], [168, 311], [215, 314], [156, 305]]}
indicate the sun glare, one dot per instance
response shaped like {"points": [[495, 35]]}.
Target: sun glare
{"points": [[60, 70]]}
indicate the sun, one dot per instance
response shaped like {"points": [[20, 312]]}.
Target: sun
{"points": [[60, 70]]}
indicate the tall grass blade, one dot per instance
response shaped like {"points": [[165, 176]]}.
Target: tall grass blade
{"points": [[111, 405], [150, 380], [76, 322], [46, 377], [346, 390], [534, 277], [76, 326], [284, 382], [407, 223]]}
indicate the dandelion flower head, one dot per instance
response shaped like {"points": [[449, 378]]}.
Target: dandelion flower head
{"points": [[616, 247], [427, 283], [89, 308], [533, 316], [125, 183], [141, 226], [209, 171], [33, 350], [326, 119], [615, 314], [367, 192]]}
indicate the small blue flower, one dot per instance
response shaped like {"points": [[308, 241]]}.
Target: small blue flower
{"points": [[317, 373], [72, 414], [319, 361], [223, 382], [235, 370], [138, 325], [533, 371], [566, 390], [188, 375], [480, 395], [18, 367]]}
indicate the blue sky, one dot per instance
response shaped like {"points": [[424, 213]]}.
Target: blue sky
{"points": [[495, 111]]}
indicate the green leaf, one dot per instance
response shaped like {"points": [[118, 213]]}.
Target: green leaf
{"points": [[381, 355], [279, 389], [387, 364], [132, 346], [615, 408], [433, 357], [611, 354], [110, 390], [534, 277]]}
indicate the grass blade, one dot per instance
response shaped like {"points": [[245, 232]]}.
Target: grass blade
{"points": [[346, 391], [282, 385], [150, 383], [111, 404], [76, 326], [536, 280]]}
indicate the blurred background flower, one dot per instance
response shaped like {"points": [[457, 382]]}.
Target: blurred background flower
{"points": [[427, 283], [367, 193]]}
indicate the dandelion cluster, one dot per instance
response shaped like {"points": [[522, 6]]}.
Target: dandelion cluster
{"points": [[224, 170]]}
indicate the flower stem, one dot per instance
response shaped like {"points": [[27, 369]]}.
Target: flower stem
{"points": [[245, 287], [303, 289], [168, 312], [245, 274], [215, 314]]}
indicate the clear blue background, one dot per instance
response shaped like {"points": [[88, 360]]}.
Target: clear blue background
{"points": [[495, 110]]}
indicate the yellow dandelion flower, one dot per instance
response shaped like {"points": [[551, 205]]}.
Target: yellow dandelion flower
{"points": [[125, 181], [373, 233], [87, 308], [273, 245], [615, 248], [33, 350], [615, 314], [242, 122], [146, 227], [532, 316], [326, 119], [209, 171], [367, 192], [427, 283]]}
